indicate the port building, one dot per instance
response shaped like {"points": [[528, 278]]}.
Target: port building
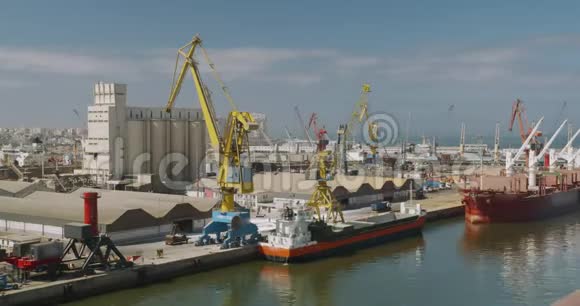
{"points": [[128, 142], [124, 216]]}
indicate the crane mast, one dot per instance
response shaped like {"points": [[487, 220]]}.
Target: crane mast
{"points": [[233, 175], [360, 115]]}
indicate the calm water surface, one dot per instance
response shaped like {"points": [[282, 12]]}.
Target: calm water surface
{"points": [[451, 264]]}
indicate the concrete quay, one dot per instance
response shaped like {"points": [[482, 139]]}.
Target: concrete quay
{"points": [[181, 260], [185, 259]]}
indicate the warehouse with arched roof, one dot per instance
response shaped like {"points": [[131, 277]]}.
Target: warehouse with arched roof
{"points": [[123, 215]]}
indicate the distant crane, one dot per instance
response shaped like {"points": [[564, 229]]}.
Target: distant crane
{"points": [[511, 159], [462, 140], [360, 115], [519, 113], [496, 153], [301, 121], [288, 134], [321, 134], [340, 150]]}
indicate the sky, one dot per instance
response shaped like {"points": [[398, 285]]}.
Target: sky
{"points": [[431, 64]]}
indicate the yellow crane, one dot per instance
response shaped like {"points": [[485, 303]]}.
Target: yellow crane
{"points": [[361, 115], [322, 197], [229, 225]]}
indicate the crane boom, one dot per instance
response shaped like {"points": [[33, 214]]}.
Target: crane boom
{"points": [[205, 103], [288, 134], [360, 112], [575, 155], [302, 124], [522, 149], [549, 143], [360, 115], [570, 142], [519, 113], [232, 175]]}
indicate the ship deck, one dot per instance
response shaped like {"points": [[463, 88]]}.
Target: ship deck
{"points": [[382, 218]]}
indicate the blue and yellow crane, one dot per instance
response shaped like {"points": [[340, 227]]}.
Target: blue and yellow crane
{"points": [[230, 226]]}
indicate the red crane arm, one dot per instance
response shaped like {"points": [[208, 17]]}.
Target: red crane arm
{"points": [[518, 112], [514, 114]]}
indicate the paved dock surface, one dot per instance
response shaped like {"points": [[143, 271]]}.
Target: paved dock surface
{"points": [[441, 200], [184, 259]]}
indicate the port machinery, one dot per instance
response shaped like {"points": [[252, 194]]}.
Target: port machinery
{"points": [[230, 226], [361, 115], [322, 197]]}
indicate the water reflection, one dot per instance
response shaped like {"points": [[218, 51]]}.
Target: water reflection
{"points": [[532, 257], [455, 264], [313, 283]]}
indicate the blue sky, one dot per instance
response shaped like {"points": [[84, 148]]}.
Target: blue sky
{"points": [[419, 56]]}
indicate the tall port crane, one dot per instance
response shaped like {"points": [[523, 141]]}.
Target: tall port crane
{"points": [[229, 225], [519, 113], [322, 197], [361, 115]]}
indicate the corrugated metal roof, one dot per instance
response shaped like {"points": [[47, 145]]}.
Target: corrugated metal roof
{"points": [[14, 186], [296, 182], [60, 208]]}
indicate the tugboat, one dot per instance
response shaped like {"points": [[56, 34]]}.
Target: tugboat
{"points": [[300, 237]]}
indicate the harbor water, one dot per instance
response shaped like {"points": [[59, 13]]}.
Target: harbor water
{"points": [[453, 263]]}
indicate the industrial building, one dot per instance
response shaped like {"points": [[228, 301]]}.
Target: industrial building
{"points": [[123, 215], [276, 190], [19, 189], [127, 142]]}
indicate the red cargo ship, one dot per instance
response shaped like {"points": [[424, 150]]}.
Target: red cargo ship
{"points": [[508, 199]]}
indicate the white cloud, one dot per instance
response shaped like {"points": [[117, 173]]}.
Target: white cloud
{"points": [[252, 63], [469, 66], [349, 62], [33, 61], [232, 64], [302, 79], [490, 56], [301, 66]]}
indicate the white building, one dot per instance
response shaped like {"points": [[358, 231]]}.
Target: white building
{"points": [[127, 141]]}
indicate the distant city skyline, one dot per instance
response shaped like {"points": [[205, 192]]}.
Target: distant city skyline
{"points": [[443, 62]]}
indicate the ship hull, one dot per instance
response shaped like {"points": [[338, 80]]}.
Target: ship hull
{"points": [[490, 207], [344, 245]]}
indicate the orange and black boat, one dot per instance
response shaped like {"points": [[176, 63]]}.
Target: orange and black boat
{"points": [[298, 237]]}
